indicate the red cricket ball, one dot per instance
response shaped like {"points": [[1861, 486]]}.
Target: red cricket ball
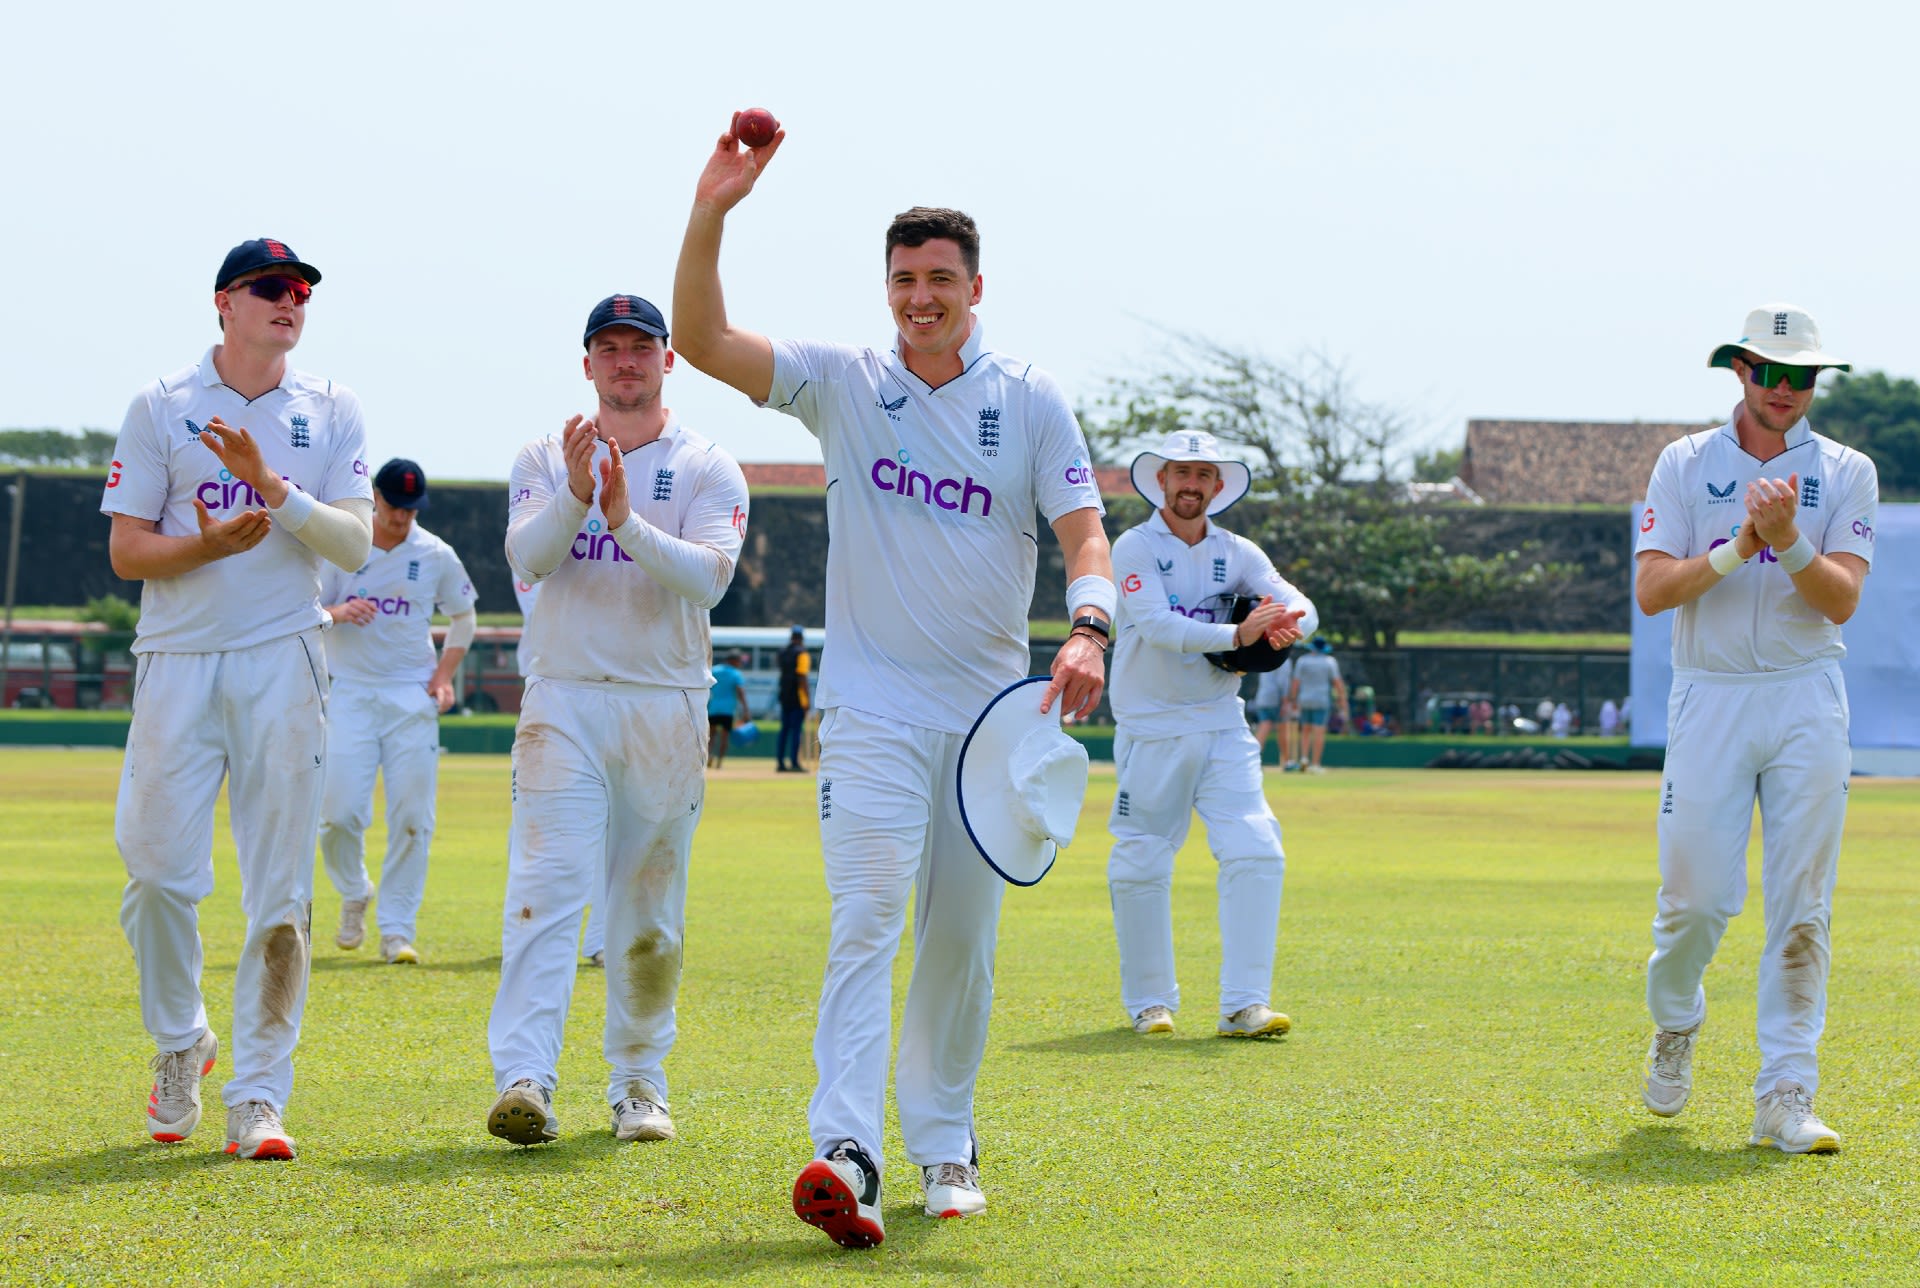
{"points": [[756, 128]]}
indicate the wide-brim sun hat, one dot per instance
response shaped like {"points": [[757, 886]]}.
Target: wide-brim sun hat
{"points": [[1191, 445], [1784, 333], [1021, 782]]}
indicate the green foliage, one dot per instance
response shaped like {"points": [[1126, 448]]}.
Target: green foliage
{"points": [[116, 613], [1456, 1103], [1438, 466], [1372, 564], [55, 447], [1880, 416]]}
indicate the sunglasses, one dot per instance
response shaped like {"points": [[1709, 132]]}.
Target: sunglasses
{"points": [[272, 288], [1769, 374]]}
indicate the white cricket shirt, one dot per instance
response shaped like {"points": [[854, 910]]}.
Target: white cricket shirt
{"points": [[1754, 620], [602, 616], [405, 585], [1173, 609], [931, 498], [310, 432]]}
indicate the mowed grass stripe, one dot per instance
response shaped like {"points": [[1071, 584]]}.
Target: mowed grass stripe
{"points": [[1462, 954]]}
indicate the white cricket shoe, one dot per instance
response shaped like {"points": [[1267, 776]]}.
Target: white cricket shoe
{"points": [[1256, 1021], [254, 1131], [1783, 1118], [642, 1115], [1316, 769], [353, 924], [173, 1106], [952, 1189], [398, 951], [841, 1194], [524, 1114], [1155, 1019], [1669, 1071], [598, 959]]}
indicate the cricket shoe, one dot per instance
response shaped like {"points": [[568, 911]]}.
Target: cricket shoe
{"points": [[952, 1189], [642, 1115], [353, 924], [1669, 1071], [1155, 1019], [524, 1114], [597, 958], [841, 1194], [398, 951], [254, 1131], [1784, 1119], [1256, 1021], [173, 1106]]}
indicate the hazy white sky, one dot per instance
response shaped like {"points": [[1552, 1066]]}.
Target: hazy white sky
{"points": [[1487, 209]]}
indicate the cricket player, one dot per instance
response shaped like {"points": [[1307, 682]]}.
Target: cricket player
{"points": [[1182, 742], [631, 523], [938, 452], [389, 691], [1758, 534], [233, 480]]}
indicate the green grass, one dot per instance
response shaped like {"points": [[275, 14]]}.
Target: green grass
{"points": [[1461, 953]]}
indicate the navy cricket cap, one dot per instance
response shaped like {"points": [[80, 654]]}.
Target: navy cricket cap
{"points": [[262, 252], [624, 310], [402, 484]]}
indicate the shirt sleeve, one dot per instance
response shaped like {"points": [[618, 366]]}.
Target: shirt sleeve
{"points": [[346, 477], [541, 521], [805, 375], [1850, 522], [454, 593], [1666, 525], [137, 479], [1260, 578], [1063, 469], [1144, 607]]}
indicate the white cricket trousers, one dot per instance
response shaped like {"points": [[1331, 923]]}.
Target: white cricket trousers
{"points": [[889, 824], [256, 717], [1780, 739], [1162, 781], [608, 783], [392, 729]]}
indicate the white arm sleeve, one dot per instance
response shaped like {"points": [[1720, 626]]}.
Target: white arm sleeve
{"points": [[341, 532], [460, 629], [694, 572], [1144, 606], [539, 540]]}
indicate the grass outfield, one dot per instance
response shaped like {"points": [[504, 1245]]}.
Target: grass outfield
{"points": [[1462, 956]]}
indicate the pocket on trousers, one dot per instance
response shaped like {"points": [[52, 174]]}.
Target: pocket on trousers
{"points": [[1840, 707], [1676, 707]]}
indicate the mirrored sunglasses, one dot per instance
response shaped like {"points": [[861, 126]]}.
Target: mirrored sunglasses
{"points": [[272, 288], [1769, 374]]}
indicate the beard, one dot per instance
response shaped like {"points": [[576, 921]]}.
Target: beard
{"points": [[1190, 506], [613, 402]]}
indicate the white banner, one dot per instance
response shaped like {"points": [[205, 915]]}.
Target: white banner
{"points": [[1882, 665]]}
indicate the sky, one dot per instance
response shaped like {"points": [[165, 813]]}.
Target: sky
{"points": [[1508, 210]]}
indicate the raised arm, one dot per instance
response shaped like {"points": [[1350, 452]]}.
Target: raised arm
{"points": [[701, 333]]}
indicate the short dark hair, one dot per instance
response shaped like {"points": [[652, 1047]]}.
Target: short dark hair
{"points": [[923, 224]]}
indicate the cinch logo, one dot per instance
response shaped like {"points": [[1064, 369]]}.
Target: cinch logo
{"points": [[227, 491], [1646, 524], [113, 480], [595, 544], [1810, 493], [1131, 584], [360, 467], [663, 485], [1861, 528], [525, 493], [1721, 496], [1191, 614], [1766, 553], [895, 477], [1078, 473], [1220, 570], [391, 606], [891, 407], [300, 438]]}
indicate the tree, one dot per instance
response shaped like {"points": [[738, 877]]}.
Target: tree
{"points": [[1880, 416], [55, 447], [1438, 466], [1372, 565]]}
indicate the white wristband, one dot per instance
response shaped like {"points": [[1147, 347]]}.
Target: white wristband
{"points": [[1092, 591], [1724, 558], [1796, 556], [293, 512]]}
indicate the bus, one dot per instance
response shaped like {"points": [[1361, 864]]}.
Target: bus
{"points": [[58, 663]]}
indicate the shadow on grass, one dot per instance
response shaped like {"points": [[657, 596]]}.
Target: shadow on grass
{"points": [[910, 1235], [115, 1165], [1667, 1155], [481, 1158], [1124, 1041], [490, 965]]}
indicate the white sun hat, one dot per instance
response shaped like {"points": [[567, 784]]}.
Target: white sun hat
{"points": [[1782, 333], [1021, 782], [1191, 445]]}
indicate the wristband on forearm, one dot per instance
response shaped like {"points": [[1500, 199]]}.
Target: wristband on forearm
{"points": [[1724, 558], [1797, 556], [1095, 592]]}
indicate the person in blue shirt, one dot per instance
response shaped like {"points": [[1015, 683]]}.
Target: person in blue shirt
{"points": [[727, 697]]}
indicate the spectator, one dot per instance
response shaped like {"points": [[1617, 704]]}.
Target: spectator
{"points": [[1562, 720], [1609, 719], [727, 696]]}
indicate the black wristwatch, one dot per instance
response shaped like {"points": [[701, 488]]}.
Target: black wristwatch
{"points": [[1093, 623]]}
